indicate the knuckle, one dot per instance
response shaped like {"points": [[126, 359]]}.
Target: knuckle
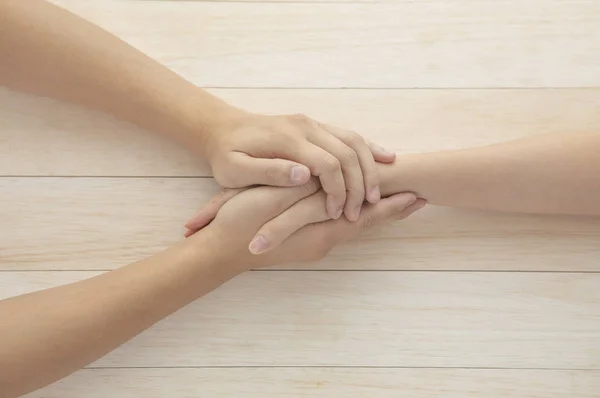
{"points": [[355, 139], [301, 122], [331, 164], [299, 118], [349, 158], [311, 186]]}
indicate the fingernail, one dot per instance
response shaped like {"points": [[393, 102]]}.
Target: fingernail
{"points": [[298, 174], [411, 200], [374, 194], [258, 245], [339, 213], [421, 205]]}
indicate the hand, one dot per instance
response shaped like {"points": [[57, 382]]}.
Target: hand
{"points": [[286, 150], [241, 216]]}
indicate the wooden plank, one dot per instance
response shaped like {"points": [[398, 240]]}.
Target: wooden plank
{"points": [[102, 223], [437, 43], [387, 319], [325, 383], [44, 137]]}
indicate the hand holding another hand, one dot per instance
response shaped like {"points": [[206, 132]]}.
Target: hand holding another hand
{"points": [[287, 219], [284, 151]]}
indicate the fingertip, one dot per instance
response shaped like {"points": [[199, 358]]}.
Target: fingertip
{"points": [[258, 245], [352, 214], [299, 174], [404, 199], [385, 157], [198, 222], [374, 194], [382, 155], [419, 204]]}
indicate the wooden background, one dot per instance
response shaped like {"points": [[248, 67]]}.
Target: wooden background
{"points": [[450, 304]]}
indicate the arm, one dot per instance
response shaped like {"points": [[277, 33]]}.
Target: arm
{"points": [[552, 174], [555, 174], [49, 334], [48, 51]]}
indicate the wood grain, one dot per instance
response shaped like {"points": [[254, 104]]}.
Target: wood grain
{"points": [[405, 319], [43, 137], [436, 43], [103, 223], [325, 383]]}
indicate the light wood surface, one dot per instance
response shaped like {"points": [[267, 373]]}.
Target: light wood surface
{"points": [[448, 304], [42, 137], [103, 223], [354, 318], [435, 43], [325, 383]]}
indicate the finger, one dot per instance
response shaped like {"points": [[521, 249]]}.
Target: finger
{"points": [[386, 209], [306, 211], [262, 171], [365, 159], [396, 207], [190, 232], [351, 171], [325, 166], [417, 205], [268, 202], [380, 154], [206, 214]]}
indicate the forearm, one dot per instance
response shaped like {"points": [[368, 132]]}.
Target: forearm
{"points": [[557, 173], [49, 334], [49, 51]]}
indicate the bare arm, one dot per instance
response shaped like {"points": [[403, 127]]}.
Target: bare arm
{"points": [[554, 174], [551, 174], [49, 51], [49, 334]]}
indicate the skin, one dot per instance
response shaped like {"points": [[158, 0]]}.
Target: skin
{"points": [[54, 332], [545, 174], [49, 51]]}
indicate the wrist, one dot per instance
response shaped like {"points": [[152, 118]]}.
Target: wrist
{"points": [[400, 176], [207, 118], [211, 253], [430, 176]]}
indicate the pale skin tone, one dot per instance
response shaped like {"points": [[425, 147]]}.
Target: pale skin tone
{"points": [[49, 51], [545, 174], [83, 322]]}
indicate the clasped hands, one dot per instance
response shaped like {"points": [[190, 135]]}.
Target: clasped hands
{"points": [[273, 207]]}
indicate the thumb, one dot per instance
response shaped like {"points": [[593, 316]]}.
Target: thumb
{"points": [[242, 170], [380, 154], [388, 209], [206, 214]]}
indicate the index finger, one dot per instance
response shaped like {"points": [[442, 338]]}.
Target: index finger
{"points": [[329, 170], [306, 211]]}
